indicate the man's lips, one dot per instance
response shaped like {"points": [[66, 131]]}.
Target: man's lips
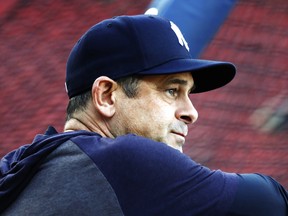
{"points": [[180, 130], [179, 133]]}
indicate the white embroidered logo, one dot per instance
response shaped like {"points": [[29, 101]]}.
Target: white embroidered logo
{"points": [[179, 35]]}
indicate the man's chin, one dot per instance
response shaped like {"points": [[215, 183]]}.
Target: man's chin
{"points": [[177, 142]]}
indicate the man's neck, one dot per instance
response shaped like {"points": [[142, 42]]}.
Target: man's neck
{"points": [[75, 124]]}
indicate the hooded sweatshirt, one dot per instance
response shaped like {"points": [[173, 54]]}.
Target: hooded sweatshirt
{"points": [[128, 175], [19, 166]]}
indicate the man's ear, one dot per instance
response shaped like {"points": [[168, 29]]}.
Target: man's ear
{"points": [[103, 95]]}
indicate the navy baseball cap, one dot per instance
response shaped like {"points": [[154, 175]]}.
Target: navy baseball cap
{"points": [[143, 45]]}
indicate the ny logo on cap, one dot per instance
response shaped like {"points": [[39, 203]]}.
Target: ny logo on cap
{"points": [[179, 35]]}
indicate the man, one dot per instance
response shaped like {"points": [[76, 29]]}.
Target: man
{"points": [[129, 80]]}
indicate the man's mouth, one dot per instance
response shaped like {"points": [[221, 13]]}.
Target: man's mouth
{"points": [[179, 134]]}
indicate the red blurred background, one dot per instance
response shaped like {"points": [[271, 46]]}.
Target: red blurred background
{"points": [[241, 128]]}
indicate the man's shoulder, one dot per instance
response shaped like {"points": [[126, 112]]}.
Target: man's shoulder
{"points": [[137, 168], [72, 174]]}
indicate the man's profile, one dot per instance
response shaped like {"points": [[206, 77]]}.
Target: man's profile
{"points": [[129, 81]]}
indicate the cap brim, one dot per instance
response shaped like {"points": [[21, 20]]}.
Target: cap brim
{"points": [[208, 75]]}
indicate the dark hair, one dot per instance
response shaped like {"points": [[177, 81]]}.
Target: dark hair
{"points": [[79, 102]]}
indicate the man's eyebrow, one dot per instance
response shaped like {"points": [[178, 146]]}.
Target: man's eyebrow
{"points": [[177, 81], [180, 82]]}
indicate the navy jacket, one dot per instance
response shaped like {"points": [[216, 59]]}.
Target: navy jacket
{"points": [[129, 175]]}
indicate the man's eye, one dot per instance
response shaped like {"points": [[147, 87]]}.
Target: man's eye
{"points": [[172, 92]]}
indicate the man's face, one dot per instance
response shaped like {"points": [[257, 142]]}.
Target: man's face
{"points": [[161, 110]]}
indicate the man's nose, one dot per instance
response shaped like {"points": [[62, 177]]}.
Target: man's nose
{"points": [[187, 112]]}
